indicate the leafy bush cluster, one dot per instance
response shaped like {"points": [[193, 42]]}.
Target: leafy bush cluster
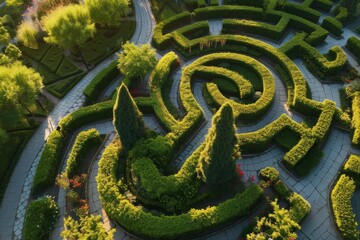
{"points": [[341, 205], [40, 218], [83, 143], [302, 11], [144, 223]]}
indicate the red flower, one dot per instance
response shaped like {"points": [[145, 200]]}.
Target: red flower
{"points": [[252, 178]]}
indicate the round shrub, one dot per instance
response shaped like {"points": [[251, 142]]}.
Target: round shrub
{"points": [[40, 218], [269, 173]]}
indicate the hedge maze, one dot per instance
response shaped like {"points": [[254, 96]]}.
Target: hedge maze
{"points": [[140, 186]]}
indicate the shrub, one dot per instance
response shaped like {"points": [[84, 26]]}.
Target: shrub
{"points": [[341, 205], [342, 15], [269, 173], [324, 122], [356, 118], [101, 81], [333, 26], [352, 167], [83, 143], [49, 162], [301, 11], [353, 44], [299, 207], [282, 189], [40, 218]]}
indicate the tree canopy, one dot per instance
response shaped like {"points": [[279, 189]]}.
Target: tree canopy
{"points": [[4, 35], [216, 164], [136, 61], [107, 12], [128, 120], [68, 26]]}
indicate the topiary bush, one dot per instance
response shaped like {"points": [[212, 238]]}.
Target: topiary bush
{"points": [[40, 218]]}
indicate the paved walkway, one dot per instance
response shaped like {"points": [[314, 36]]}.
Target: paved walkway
{"points": [[18, 192]]}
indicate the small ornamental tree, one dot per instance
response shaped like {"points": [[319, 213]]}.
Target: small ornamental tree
{"points": [[27, 33], [107, 12], [88, 227], [13, 52], [216, 164], [277, 225], [68, 26], [128, 120], [136, 61]]}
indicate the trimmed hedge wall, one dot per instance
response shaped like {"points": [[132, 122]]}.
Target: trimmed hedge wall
{"points": [[353, 44], [51, 157], [136, 220], [352, 167], [341, 205], [324, 122], [319, 64], [101, 81], [301, 11], [333, 26], [356, 118], [40, 218], [83, 143], [299, 207]]}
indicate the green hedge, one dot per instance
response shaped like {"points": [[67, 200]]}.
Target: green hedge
{"points": [[353, 44], [342, 15], [145, 224], [301, 11], [101, 81], [319, 63], [322, 5], [47, 168], [51, 157], [299, 207], [356, 118], [333, 26], [85, 141], [269, 173], [352, 167], [40, 218], [324, 122], [342, 209]]}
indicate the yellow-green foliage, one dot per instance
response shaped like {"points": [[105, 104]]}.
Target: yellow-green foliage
{"points": [[299, 207], [353, 44], [321, 65], [27, 34], [135, 219], [83, 143], [356, 118], [324, 122], [341, 205], [352, 167]]}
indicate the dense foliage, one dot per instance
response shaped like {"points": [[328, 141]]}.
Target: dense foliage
{"points": [[107, 12]]}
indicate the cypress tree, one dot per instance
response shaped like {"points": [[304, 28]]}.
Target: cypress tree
{"points": [[216, 165], [128, 120]]}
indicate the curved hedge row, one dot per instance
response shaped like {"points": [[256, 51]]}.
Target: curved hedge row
{"points": [[333, 25], [352, 167], [48, 166], [356, 118], [83, 143], [341, 205], [136, 220], [319, 64], [247, 112], [301, 11], [101, 81], [325, 119]]}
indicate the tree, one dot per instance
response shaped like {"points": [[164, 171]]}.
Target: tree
{"points": [[88, 227], [107, 12], [216, 164], [19, 86], [69, 26], [136, 61], [4, 35], [277, 225], [351, 5], [128, 120], [28, 34]]}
